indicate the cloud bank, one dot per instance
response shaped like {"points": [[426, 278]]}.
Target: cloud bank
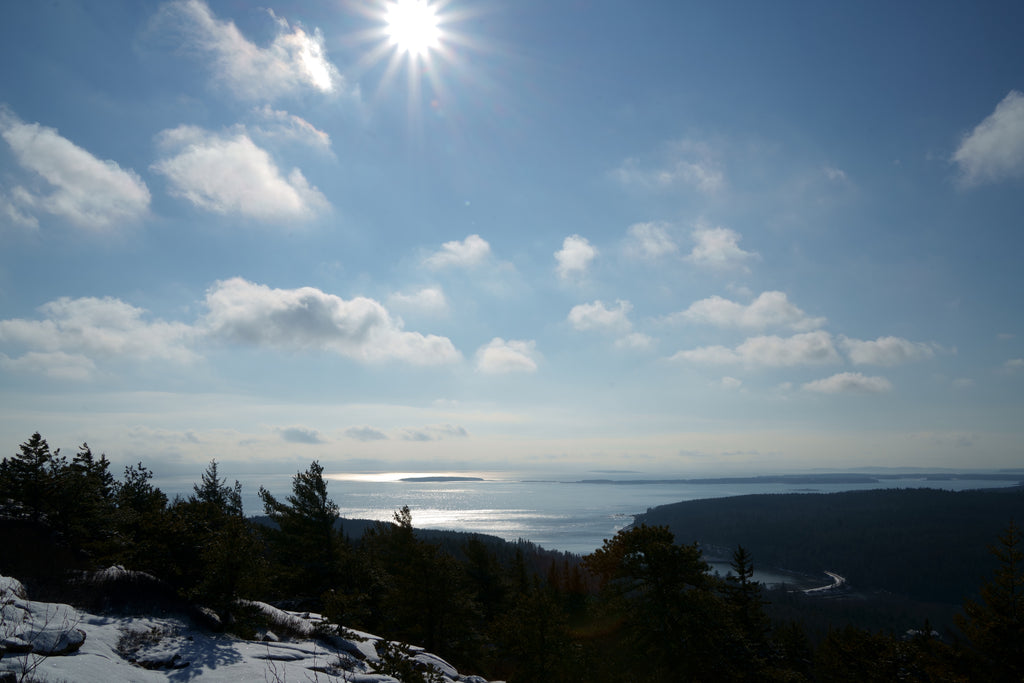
{"points": [[306, 318], [849, 383], [769, 309], [809, 348]]}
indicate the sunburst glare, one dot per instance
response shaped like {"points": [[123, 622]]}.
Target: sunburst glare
{"points": [[412, 26]]}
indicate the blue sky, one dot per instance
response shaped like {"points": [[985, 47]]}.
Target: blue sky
{"points": [[740, 237]]}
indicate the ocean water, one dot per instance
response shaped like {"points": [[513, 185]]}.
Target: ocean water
{"points": [[556, 513]]}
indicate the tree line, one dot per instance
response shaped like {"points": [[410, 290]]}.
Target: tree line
{"points": [[643, 607]]}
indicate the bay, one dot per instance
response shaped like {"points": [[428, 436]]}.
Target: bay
{"points": [[557, 513]]}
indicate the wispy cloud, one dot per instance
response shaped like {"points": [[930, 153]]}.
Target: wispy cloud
{"points": [[229, 174], [54, 364], [1014, 365], [849, 383], [502, 357], [244, 312], [67, 181], [276, 124], [468, 253], [684, 163], [719, 248], [294, 61], [809, 348], [994, 150], [16, 208], [433, 433], [649, 241], [769, 309]]}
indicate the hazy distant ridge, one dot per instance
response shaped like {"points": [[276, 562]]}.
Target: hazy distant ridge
{"points": [[831, 478]]}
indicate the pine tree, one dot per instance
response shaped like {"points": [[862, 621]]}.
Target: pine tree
{"points": [[305, 545]]}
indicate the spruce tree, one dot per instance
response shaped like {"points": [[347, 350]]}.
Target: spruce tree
{"points": [[29, 477], [995, 625]]}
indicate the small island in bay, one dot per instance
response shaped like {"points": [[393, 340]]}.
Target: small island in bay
{"points": [[439, 479]]}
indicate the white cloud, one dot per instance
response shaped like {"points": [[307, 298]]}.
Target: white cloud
{"points": [[281, 125], [574, 257], [769, 309], [430, 300], [306, 318], [994, 150], [597, 316], [54, 364], [86, 191], [230, 174], [76, 332], [885, 350], [809, 348], [500, 356], [295, 60], [1014, 365], [849, 383], [719, 248], [470, 252], [649, 241], [686, 163]]}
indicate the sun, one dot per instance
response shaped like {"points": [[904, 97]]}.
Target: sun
{"points": [[413, 26]]}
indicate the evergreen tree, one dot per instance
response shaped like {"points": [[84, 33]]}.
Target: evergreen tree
{"points": [[141, 522], [215, 491], [217, 554], [422, 593], [29, 477], [305, 545], [668, 605], [84, 501], [995, 625]]}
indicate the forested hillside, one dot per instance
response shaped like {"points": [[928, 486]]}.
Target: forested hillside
{"points": [[924, 543]]}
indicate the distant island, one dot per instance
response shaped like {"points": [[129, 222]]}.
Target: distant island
{"points": [[426, 479]]}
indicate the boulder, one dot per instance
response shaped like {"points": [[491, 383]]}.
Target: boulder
{"points": [[54, 642]]}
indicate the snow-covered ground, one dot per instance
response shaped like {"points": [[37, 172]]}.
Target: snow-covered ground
{"points": [[119, 648]]}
